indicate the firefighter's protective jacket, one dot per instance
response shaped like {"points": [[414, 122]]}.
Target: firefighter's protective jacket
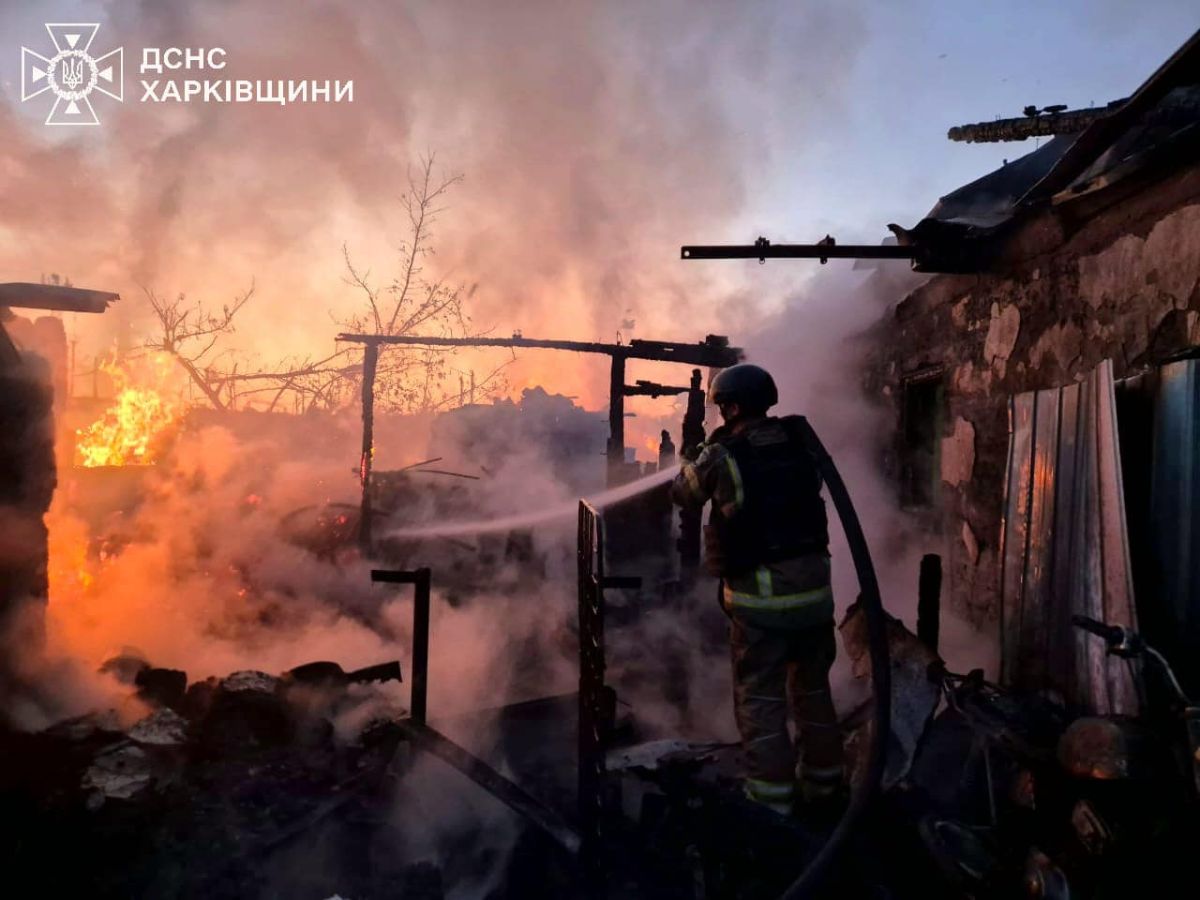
{"points": [[767, 535]]}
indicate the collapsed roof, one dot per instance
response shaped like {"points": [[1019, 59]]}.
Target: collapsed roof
{"points": [[1151, 134]]}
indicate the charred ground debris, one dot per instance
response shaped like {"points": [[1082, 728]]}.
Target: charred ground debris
{"points": [[1042, 386]]}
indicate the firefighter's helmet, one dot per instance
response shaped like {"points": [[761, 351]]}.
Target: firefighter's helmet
{"points": [[747, 385]]}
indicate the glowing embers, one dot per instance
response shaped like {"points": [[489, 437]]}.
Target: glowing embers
{"points": [[145, 410]]}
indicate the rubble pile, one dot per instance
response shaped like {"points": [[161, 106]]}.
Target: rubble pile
{"points": [[249, 785]]}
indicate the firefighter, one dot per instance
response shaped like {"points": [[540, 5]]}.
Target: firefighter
{"points": [[767, 539]]}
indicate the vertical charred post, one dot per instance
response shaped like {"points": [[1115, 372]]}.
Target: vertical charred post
{"points": [[689, 518], [370, 364], [929, 601], [420, 660], [616, 421]]}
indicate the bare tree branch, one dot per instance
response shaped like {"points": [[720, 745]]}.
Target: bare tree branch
{"points": [[411, 380], [407, 380]]}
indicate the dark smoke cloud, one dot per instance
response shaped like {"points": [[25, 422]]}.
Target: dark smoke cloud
{"points": [[595, 138]]}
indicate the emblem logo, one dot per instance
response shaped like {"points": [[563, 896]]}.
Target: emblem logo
{"points": [[72, 74]]}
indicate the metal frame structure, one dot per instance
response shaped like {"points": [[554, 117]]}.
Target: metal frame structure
{"points": [[597, 701], [714, 352], [824, 250], [417, 729]]}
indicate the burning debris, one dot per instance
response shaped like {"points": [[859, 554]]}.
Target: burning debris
{"points": [[145, 411], [563, 728], [915, 695]]}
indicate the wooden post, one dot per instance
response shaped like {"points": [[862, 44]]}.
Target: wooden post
{"points": [[616, 421], [370, 363]]}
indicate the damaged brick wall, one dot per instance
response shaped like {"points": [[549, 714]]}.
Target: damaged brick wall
{"points": [[1124, 285]]}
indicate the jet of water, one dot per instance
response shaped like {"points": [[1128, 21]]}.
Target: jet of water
{"points": [[557, 512]]}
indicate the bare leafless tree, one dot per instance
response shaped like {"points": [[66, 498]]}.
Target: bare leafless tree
{"points": [[190, 332], [407, 380], [412, 303]]}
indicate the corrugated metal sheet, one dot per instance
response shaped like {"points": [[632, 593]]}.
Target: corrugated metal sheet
{"points": [[1175, 506], [1064, 545]]}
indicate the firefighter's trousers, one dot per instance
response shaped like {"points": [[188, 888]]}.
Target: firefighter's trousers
{"points": [[777, 670]]}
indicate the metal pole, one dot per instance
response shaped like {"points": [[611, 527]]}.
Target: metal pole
{"points": [[596, 700], [420, 660], [420, 579], [370, 364], [821, 251], [417, 729], [929, 598]]}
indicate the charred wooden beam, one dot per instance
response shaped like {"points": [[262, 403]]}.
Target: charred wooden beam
{"points": [[691, 438], [1035, 123], [932, 245], [714, 351], [56, 297], [616, 422], [650, 389], [507, 792], [823, 250], [370, 364]]}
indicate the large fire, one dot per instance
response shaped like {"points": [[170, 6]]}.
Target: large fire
{"points": [[144, 412]]}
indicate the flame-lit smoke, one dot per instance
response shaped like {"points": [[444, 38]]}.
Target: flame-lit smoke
{"points": [[594, 140], [145, 411]]}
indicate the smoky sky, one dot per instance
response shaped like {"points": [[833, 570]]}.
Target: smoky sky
{"points": [[594, 139]]}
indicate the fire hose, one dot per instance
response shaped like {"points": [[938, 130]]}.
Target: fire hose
{"points": [[819, 868]]}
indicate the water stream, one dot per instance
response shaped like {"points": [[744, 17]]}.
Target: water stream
{"points": [[563, 511]]}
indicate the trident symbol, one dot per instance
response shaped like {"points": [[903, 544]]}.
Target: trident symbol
{"points": [[72, 72]]}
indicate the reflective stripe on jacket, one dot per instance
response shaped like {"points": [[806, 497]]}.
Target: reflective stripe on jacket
{"points": [[789, 592]]}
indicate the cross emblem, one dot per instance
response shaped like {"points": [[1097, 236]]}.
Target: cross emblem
{"points": [[72, 74]]}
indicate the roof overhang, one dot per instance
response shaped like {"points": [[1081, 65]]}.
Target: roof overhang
{"points": [[56, 297]]}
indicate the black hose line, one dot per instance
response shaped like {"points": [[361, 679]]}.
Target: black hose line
{"points": [[805, 886]]}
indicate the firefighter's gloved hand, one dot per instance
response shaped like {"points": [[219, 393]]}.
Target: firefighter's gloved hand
{"points": [[690, 453]]}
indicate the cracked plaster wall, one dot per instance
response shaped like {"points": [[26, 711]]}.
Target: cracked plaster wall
{"points": [[1123, 287]]}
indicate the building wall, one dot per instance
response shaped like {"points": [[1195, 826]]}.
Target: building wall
{"points": [[27, 482], [1124, 285]]}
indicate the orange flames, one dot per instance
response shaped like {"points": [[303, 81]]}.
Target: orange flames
{"points": [[144, 412], [71, 572]]}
